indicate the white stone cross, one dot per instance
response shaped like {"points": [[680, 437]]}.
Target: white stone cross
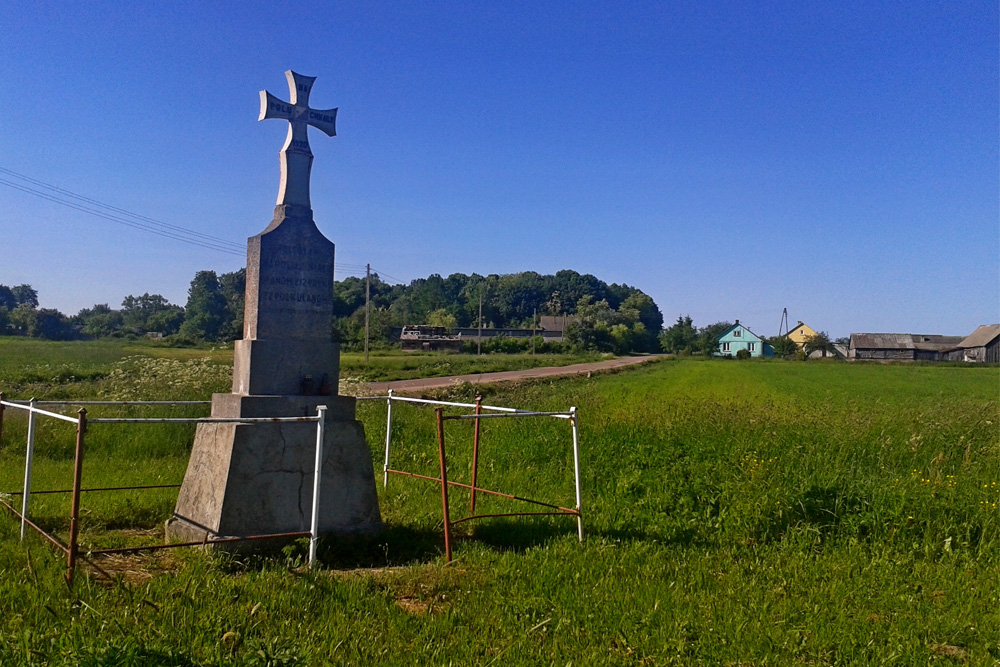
{"points": [[296, 158]]}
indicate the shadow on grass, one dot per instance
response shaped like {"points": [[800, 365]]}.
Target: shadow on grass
{"points": [[126, 657]]}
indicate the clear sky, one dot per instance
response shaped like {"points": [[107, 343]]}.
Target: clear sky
{"points": [[839, 159]]}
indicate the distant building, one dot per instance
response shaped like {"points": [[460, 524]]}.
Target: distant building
{"points": [[800, 333], [981, 346], [553, 327], [900, 347], [422, 338], [738, 337]]}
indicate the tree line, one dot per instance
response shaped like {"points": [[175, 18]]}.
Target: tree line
{"points": [[607, 317]]}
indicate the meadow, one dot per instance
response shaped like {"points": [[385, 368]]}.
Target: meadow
{"points": [[736, 513]]}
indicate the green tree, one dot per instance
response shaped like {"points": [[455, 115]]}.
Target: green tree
{"points": [[708, 337], [819, 343], [25, 295], [680, 337], [100, 321], [233, 287], [206, 313], [784, 347], [442, 318], [167, 321], [592, 328], [22, 319], [7, 298], [150, 312], [50, 324]]}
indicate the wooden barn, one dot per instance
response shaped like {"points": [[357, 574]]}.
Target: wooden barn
{"points": [[981, 346], [900, 347]]}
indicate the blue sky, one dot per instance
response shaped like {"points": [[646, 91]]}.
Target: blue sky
{"points": [[839, 159]]}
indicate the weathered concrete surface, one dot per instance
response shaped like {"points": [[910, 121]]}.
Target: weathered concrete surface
{"points": [[254, 479]]}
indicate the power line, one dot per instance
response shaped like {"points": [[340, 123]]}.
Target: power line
{"points": [[119, 215], [145, 223]]}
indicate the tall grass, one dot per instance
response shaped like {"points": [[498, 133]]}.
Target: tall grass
{"points": [[737, 513]]}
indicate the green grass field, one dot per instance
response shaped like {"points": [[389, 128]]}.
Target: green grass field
{"points": [[737, 513]]}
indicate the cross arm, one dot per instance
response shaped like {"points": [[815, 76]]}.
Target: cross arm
{"points": [[324, 121], [273, 107]]}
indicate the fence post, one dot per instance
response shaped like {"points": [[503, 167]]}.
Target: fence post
{"points": [[388, 439], [1, 417], [28, 456], [317, 478], [444, 485], [475, 453], [576, 470], [74, 515]]}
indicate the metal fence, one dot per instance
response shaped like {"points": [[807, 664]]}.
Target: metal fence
{"points": [[478, 414], [71, 547]]}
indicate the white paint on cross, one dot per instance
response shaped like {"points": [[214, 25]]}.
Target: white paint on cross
{"points": [[296, 157]]}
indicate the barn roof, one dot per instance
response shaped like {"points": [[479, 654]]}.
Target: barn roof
{"points": [[983, 335], [897, 341]]}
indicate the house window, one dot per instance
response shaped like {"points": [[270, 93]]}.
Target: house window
{"points": [[752, 347], [725, 347], [738, 333]]}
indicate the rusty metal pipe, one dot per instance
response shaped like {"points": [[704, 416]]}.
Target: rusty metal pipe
{"points": [[444, 485], [51, 538], [106, 488], [475, 455], [502, 514], [486, 491], [74, 514], [221, 540]]}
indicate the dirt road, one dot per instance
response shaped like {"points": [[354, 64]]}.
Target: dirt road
{"points": [[405, 386]]}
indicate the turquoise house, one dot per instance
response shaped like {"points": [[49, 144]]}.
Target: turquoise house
{"points": [[737, 338]]}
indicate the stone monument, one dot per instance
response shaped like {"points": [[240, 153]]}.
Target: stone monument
{"points": [[256, 479]]}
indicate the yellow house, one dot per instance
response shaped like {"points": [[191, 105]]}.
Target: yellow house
{"points": [[799, 333]]}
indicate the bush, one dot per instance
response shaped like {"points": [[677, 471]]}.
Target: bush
{"points": [[743, 354]]}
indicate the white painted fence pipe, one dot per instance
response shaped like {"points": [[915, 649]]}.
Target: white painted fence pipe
{"points": [[317, 478], [576, 470], [388, 439], [28, 456]]}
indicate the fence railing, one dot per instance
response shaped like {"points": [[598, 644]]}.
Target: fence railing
{"points": [[480, 412], [495, 412], [71, 548]]}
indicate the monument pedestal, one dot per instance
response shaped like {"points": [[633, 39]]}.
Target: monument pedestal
{"points": [[256, 479]]}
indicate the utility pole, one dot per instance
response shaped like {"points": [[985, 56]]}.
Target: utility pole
{"points": [[479, 338], [784, 322], [534, 321], [368, 304]]}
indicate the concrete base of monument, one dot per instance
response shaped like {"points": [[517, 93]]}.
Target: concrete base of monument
{"points": [[277, 367], [257, 479]]}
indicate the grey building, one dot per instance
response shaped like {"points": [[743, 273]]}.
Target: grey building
{"points": [[982, 346], [900, 347]]}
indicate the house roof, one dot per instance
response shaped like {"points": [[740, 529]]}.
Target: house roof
{"points": [[897, 341], [739, 326], [983, 335]]}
